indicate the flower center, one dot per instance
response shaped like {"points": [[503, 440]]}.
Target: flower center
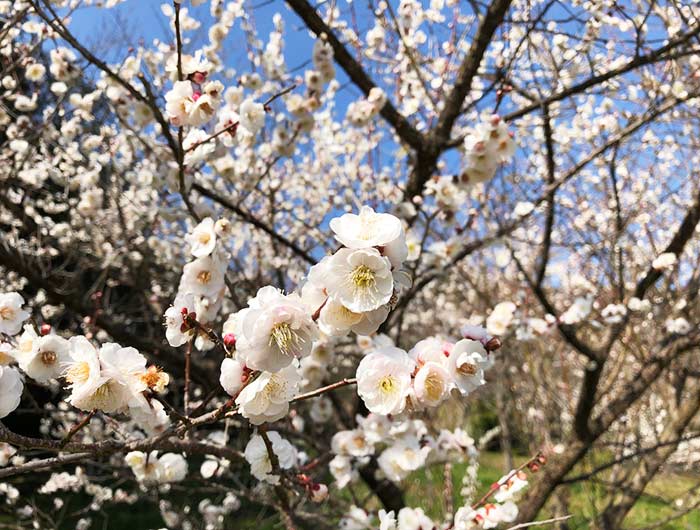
{"points": [[204, 238], [387, 384], [466, 369], [433, 387], [105, 395], [7, 313], [48, 357], [363, 277], [284, 337], [78, 373], [155, 379], [204, 277]]}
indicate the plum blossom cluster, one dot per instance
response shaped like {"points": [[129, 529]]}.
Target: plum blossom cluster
{"points": [[151, 469], [400, 447], [356, 287], [260, 459], [391, 380], [201, 290], [497, 509], [501, 508], [407, 519], [352, 290], [111, 379], [361, 112], [488, 145]]}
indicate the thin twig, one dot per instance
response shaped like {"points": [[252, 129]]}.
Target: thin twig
{"points": [[67, 438], [542, 522]]}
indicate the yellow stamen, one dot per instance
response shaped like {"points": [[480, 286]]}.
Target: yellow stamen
{"points": [[433, 387], [466, 369], [284, 337], [363, 277], [48, 357], [78, 373], [387, 384]]}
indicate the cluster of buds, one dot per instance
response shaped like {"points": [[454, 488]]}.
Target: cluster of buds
{"points": [[537, 462]]}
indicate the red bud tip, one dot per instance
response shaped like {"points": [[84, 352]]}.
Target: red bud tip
{"points": [[45, 329], [230, 340]]}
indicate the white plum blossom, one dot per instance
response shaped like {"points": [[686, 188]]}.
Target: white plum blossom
{"points": [[678, 326], [413, 519], [578, 311], [355, 519], [353, 443], [401, 458], [367, 229], [202, 240], [488, 145], [257, 455], [11, 313], [176, 330], [266, 399], [11, 388], [432, 384], [511, 486], [35, 72], [46, 357], [384, 380], [467, 362], [109, 380], [387, 520], [274, 330], [203, 276], [178, 101], [6, 453], [500, 318], [360, 280], [232, 376], [252, 115], [151, 469], [342, 470], [664, 261]]}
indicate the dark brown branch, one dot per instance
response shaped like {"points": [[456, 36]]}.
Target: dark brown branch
{"points": [[642, 60], [355, 72], [549, 216], [439, 138], [249, 218]]}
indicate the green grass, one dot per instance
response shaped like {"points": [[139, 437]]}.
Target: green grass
{"points": [[425, 489]]}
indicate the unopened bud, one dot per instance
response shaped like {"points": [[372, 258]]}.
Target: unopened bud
{"points": [[230, 340], [199, 77], [45, 329], [319, 492], [493, 344]]}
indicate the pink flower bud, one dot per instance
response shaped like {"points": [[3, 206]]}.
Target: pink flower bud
{"points": [[199, 77], [319, 492], [230, 340]]}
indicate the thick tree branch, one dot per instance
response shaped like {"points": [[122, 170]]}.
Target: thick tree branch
{"points": [[355, 72]]}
